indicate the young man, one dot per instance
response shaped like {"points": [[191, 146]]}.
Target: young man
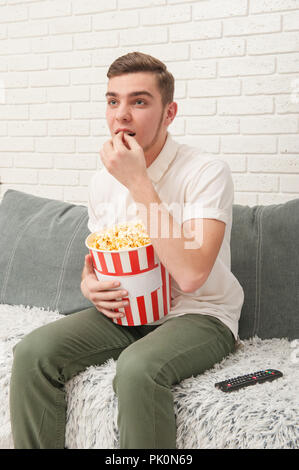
{"points": [[145, 167]]}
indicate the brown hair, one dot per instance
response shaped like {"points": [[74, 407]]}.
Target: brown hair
{"points": [[138, 62]]}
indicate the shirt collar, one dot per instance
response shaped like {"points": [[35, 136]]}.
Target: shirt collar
{"points": [[159, 166]]}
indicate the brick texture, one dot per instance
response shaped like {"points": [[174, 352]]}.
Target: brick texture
{"points": [[236, 65]]}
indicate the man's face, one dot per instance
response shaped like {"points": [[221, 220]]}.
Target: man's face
{"points": [[134, 103]]}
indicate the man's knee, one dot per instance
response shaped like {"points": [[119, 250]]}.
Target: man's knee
{"points": [[135, 371]]}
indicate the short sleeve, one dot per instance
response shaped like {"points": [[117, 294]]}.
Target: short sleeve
{"points": [[210, 193]]}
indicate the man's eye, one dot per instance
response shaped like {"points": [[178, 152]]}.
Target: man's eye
{"points": [[114, 102]]}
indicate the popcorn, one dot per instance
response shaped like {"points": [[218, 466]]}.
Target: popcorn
{"points": [[125, 253], [120, 237]]}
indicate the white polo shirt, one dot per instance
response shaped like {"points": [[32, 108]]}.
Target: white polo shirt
{"points": [[203, 187]]}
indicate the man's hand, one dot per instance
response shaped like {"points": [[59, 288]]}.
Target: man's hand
{"points": [[124, 159], [101, 293]]}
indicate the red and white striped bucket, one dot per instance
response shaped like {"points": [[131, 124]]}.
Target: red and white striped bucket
{"points": [[140, 272]]}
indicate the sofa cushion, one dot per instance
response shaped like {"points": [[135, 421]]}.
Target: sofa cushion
{"points": [[42, 252], [42, 255], [265, 260]]}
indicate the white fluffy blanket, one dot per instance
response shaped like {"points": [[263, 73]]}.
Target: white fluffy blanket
{"points": [[261, 416]]}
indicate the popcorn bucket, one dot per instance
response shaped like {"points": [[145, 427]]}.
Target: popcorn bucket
{"points": [[140, 272]]}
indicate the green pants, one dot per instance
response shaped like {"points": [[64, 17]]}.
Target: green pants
{"points": [[150, 359]]}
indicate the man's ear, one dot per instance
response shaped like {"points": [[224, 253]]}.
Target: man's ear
{"points": [[171, 112]]}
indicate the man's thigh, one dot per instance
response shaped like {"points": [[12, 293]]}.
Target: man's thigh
{"points": [[179, 348], [74, 342]]}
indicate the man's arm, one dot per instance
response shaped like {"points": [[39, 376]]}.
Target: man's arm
{"points": [[189, 263], [189, 267]]}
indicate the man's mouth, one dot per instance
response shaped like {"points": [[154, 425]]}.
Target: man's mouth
{"points": [[127, 131]]}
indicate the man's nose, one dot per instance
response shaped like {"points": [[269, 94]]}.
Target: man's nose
{"points": [[123, 113]]}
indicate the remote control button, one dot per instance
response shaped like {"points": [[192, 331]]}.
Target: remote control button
{"points": [[235, 383]]}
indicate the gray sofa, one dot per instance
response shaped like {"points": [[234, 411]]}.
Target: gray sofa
{"points": [[41, 258]]}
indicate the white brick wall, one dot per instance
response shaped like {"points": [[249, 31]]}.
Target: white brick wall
{"points": [[236, 64]]}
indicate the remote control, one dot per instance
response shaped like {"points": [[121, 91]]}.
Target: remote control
{"points": [[261, 376]]}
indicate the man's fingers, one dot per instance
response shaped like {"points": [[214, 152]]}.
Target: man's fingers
{"points": [[131, 141], [118, 142], [109, 313], [108, 285], [124, 140], [110, 305], [113, 294]]}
